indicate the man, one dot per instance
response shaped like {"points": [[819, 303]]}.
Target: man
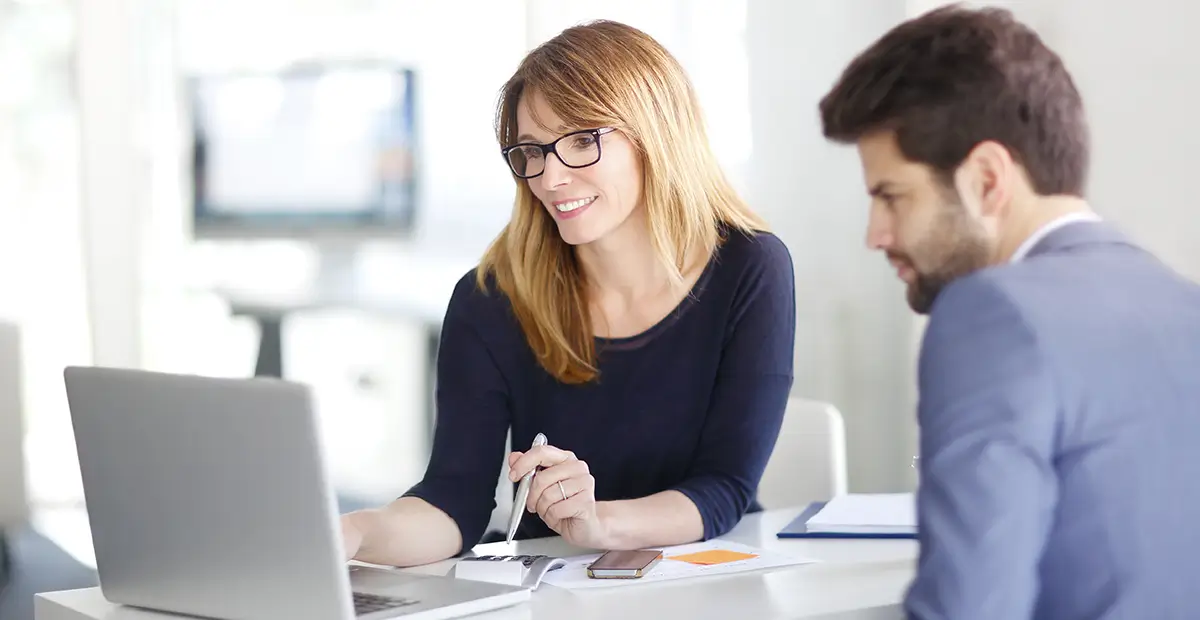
{"points": [[1059, 374]]}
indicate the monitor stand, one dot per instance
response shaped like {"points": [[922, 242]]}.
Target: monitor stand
{"points": [[337, 272], [335, 284]]}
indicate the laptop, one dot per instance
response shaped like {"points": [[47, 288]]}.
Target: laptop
{"points": [[210, 497]]}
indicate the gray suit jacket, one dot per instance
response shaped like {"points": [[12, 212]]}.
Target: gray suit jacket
{"points": [[1060, 438]]}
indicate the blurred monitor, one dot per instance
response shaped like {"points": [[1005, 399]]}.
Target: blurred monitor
{"points": [[320, 151]]}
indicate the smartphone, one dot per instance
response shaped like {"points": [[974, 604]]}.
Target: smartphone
{"points": [[624, 564]]}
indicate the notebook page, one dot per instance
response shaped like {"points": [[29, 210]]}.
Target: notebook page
{"points": [[874, 510]]}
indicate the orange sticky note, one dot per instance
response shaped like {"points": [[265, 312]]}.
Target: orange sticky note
{"points": [[715, 556]]}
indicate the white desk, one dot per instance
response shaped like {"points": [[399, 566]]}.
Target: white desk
{"points": [[850, 575]]}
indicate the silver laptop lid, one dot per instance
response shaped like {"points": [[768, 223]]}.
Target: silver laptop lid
{"points": [[208, 496]]}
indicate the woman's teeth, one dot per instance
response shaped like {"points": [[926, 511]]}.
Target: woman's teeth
{"points": [[574, 204]]}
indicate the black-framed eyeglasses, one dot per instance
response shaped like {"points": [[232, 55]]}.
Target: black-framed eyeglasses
{"points": [[581, 149]]}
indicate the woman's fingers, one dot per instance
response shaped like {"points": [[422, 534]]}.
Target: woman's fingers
{"points": [[576, 505], [540, 456], [546, 489]]}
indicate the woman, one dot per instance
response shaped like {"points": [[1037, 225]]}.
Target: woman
{"points": [[632, 310]]}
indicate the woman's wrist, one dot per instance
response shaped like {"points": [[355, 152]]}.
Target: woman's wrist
{"points": [[666, 518], [609, 532], [356, 531]]}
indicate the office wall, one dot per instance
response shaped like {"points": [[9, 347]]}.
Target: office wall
{"points": [[112, 169], [41, 258], [854, 331], [1134, 63]]}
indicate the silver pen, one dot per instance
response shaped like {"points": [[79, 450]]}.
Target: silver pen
{"points": [[518, 508]]}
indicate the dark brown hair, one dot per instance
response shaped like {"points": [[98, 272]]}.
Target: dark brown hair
{"points": [[955, 77]]}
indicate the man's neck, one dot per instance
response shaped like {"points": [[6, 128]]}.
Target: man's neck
{"points": [[1028, 217]]}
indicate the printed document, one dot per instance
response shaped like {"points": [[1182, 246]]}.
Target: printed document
{"points": [[715, 557]]}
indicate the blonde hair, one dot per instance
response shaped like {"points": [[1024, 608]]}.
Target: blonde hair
{"points": [[607, 74]]}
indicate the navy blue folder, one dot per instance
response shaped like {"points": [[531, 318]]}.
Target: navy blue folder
{"points": [[798, 528]]}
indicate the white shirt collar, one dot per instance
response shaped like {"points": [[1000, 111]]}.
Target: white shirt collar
{"points": [[1053, 225]]}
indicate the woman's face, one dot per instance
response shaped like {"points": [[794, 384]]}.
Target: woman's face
{"points": [[588, 202]]}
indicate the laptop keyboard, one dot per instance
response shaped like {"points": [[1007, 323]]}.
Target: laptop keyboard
{"points": [[370, 603], [526, 560]]}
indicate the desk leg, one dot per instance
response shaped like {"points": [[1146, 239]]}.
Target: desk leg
{"points": [[270, 347], [433, 339], [6, 562]]}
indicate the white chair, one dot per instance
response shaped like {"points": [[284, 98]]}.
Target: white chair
{"points": [[809, 461]]}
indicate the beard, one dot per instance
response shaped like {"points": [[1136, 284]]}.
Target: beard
{"points": [[954, 247]]}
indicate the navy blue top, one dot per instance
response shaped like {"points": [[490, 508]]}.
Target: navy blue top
{"points": [[692, 404]]}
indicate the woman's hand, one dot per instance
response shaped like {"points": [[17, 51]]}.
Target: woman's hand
{"points": [[352, 537], [563, 494]]}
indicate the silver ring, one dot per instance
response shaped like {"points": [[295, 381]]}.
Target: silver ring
{"points": [[562, 490]]}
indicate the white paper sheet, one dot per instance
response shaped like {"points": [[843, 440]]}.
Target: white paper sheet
{"points": [[574, 575], [874, 511]]}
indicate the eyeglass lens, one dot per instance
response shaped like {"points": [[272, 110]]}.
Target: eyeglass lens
{"points": [[575, 150]]}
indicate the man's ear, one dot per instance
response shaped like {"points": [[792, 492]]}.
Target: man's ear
{"points": [[985, 179]]}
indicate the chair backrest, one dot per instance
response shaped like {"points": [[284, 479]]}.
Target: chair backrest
{"points": [[14, 508], [504, 495], [809, 461]]}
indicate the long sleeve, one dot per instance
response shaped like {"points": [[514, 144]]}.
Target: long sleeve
{"points": [[473, 418], [750, 393], [988, 488]]}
